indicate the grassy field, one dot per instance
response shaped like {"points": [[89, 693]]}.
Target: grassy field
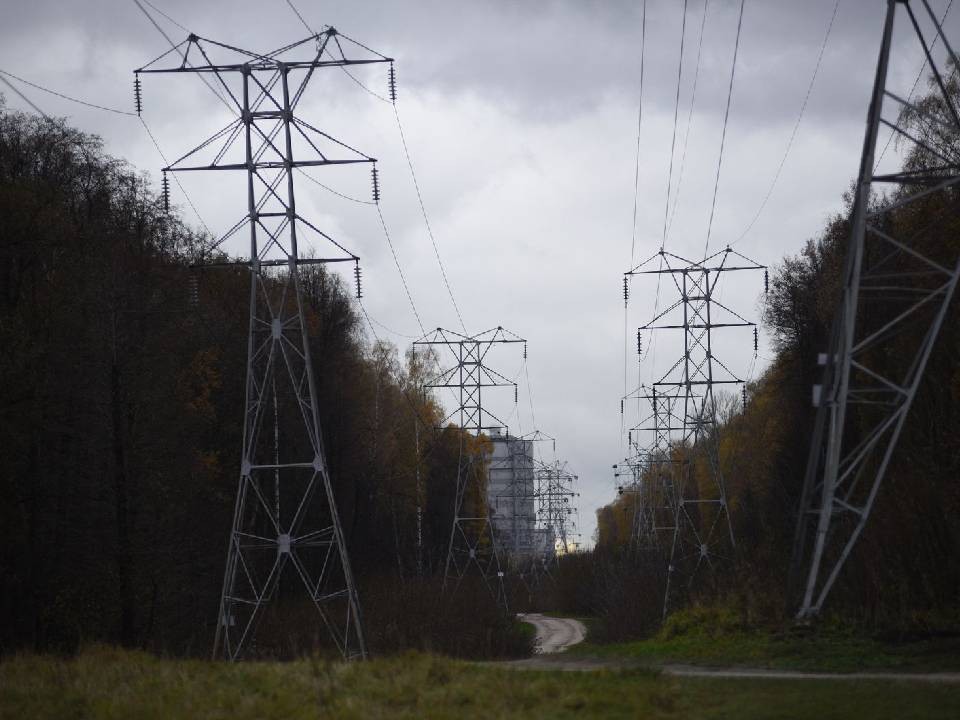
{"points": [[704, 637], [104, 683]]}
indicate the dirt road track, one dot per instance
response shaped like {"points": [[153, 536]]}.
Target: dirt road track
{"points": [[554, 635], [587, 664]]}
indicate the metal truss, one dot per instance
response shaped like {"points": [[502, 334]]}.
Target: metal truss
{"points": [[702, 530], [528, 549], [519, 541], [554, 511], [286, 537], [653, 471], [473, 546], [896, 292]]}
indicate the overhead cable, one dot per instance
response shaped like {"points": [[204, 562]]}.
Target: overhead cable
{"points": [[723, 136], [23, 97], [426, 220], [65, 97], [403, 278], [796, 125], [676, 111], [175, 178], [686, 134]]}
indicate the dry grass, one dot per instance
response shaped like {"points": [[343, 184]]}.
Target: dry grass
{"points": [[103, 683]]}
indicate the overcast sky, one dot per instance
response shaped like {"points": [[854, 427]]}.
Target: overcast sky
{"points": [[521, 118]]}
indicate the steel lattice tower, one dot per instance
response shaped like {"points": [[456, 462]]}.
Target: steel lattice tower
{"points": [[653, 471], [896, 293], [473, 545], [285, 521], [702, 518], [526, 551], [554, 491]]}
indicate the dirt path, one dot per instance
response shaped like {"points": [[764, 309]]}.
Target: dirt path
{"points": [[554, 635], [586, 664], [764, 674]]}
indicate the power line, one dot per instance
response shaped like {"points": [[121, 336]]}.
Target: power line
{"points": [[403, 278], [346, 72], [176, 47], [297, 13], [391, 330], [686, 134], [176, 179], [65, 97], [636, 169], [233, 110], [426, 220], [99, 107], [353, 77], [23, 97], [416, 185], [723, 136], [796, 125], [334, 192], [676, 111], [383, 223], [161, 12], [636, 193]]}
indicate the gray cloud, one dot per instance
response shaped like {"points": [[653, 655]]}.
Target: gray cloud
{"points": [[521, 118]]}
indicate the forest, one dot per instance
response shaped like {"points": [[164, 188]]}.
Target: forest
{"points": [[121, 415], [902, 577]]}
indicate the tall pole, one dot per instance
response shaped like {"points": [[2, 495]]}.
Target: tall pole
{"points": [[472, 549], [896, 286], [702, 530], [286, 540]]}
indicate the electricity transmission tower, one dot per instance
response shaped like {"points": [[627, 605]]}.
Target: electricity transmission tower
{"points": [[701, 515], [527, 546], [554, 511], [473, 546], [897, 287], [653, 471], [286, 537]]}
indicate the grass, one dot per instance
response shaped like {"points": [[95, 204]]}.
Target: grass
{"points": [[103, 683], [704, 636]]}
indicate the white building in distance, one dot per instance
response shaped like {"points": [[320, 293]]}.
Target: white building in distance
{"points": [[511, 497]]}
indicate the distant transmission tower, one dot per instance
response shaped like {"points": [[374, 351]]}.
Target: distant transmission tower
{"points": [[702, 527], [473, 546], [555, 512], [895, 296], [525, 544], [285, 518], [653, 471]]}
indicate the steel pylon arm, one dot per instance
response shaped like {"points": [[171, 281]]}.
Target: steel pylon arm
{"points": [[896, 287], [286, 533]]}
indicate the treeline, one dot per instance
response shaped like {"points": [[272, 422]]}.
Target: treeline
{"points": [[121, 399], [903, 575]]}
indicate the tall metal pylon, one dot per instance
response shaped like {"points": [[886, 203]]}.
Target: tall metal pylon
{"points": [[526, 548], [554, 511], [653, 470], [703, 531], [286, 536], [897, 288], [473, 545]]}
